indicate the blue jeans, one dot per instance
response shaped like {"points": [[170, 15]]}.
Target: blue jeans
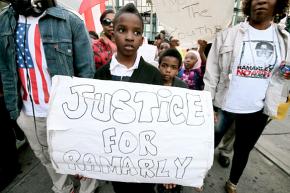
{"points": [[224, 121], [226, 147]]}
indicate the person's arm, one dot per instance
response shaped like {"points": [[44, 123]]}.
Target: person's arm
{"points": [[212, 72], [202, 45], [84, 65]]}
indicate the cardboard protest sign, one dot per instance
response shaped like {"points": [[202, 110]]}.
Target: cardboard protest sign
{"points": [[130, 132], [190, 20]]}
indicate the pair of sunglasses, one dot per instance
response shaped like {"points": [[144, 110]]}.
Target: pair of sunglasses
{"points": [[107, 22]]}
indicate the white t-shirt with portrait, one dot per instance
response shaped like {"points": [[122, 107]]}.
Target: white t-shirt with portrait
{"points": [[252, 70]]}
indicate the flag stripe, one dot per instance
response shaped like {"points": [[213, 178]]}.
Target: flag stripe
{"points": [[22, 77], [103, 5], [38, 59], [86, 9], [88, 4], [89, 20], [96, 15], [34, 86]]}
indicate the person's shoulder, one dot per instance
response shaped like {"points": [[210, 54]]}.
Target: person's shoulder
{"points": [[6, 17], [196, 69], [70, 11], [147, 73], [103, 72], [65, 13], [282, 28], [145, 65], [5, 11], [99, 42], [229, 34], [233, 29], [179, 83]]}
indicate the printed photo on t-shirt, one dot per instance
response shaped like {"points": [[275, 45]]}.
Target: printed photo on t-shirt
{"points": [[258, 59]]}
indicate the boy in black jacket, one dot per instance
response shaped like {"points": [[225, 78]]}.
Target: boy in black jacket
{"points": [[127, 65]]}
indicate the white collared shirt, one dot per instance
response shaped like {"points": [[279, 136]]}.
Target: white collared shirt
{"points": [[118, 69]]}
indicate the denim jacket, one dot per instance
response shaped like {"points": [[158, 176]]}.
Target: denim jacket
{"points": [[222, 55], [66, 45]]}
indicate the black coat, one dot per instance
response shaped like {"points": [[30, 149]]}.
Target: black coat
{"points": [[145, 73]]}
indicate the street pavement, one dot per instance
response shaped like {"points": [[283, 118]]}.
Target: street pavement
{"points": [[275, 143], [268, 169]]}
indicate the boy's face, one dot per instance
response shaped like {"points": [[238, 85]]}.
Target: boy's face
{"points": [[169, 68], [163, 46], [157, 42], [128, 37], [174, 42], [190, 60]]}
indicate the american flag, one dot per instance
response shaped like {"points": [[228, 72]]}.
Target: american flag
{"points": [[30, 61], [91, 11]]}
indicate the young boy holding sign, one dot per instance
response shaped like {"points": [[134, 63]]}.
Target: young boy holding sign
{"points": [[128, 65]]}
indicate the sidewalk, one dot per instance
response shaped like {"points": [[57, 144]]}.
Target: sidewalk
{"points": [[267, 170], [260, 176], [275, 143]]}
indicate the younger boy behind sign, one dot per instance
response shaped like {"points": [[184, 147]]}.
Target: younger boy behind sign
{"points": [[128, 65], [169, 64]]}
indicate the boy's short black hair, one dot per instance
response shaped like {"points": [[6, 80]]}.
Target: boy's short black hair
{"points": [[105, 13], [173, 53], [128, 8]]}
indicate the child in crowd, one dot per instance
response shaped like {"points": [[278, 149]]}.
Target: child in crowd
{"points": [[128, 65], [194, 66], [169, 63], [191, 71], [162, 47]]}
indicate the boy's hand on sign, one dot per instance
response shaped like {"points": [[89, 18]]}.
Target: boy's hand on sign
{"points": [[79, 177], [169, 186], [198, 189]]}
